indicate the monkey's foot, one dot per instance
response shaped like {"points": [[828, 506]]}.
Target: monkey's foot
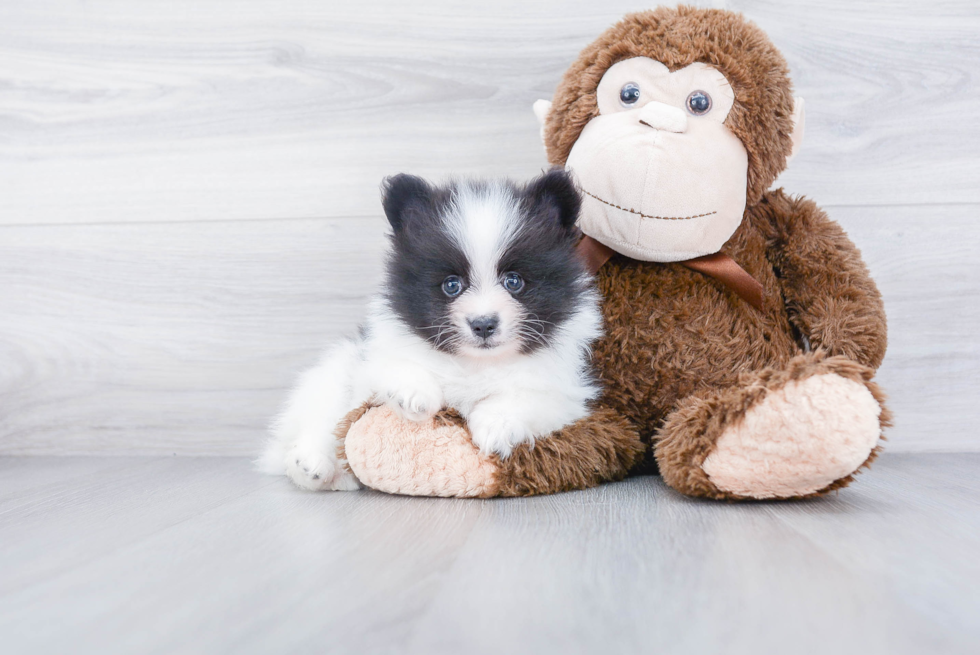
{"points": [[433, 457], [781, 434], [437, 457]]}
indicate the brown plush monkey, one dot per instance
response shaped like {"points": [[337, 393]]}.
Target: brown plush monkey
{"points": [[742, 327]]}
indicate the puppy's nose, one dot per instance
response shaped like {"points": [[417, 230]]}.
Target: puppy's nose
{"points": [[484, 326], [661, 116]]}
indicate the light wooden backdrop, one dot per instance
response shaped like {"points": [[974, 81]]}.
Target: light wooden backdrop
{"points": [[189, 189]]}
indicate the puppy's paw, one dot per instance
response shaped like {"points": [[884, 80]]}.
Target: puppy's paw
{"points": [[496, 432], [415, 402], [318, 470]]}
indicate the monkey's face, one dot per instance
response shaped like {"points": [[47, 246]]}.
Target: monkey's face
{"points": [[662, 178]]}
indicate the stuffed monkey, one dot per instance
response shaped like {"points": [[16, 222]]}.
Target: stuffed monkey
{"points": [[742, 327]]}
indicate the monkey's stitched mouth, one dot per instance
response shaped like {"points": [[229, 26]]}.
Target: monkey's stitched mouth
{"points": [[633, 211]]}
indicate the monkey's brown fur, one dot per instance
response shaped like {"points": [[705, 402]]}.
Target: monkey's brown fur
{"points": [[683, 358], [600, 448], [692, 430], [761, 117]]}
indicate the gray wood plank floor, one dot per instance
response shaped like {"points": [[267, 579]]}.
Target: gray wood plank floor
{"points": [[201, 555]]}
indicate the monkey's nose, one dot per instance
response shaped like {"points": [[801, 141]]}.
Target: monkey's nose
{"points": [[661, 116]]}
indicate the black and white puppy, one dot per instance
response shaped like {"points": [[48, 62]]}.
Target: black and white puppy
{"points": [[485, 309]]}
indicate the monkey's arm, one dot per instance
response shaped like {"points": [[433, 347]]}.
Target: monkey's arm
{"points": [[827, 288]]}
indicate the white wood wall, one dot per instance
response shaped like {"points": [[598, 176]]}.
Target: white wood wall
{"points": [[189, 189]]}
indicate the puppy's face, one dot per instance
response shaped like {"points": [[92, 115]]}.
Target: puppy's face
{"points": [[484, 269]]}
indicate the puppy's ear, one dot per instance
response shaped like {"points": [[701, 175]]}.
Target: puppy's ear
{"points": [[554, 196], [402, 196]]}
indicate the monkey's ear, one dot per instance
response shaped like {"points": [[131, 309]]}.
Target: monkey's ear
{"points": [[553, 197], [799, 118], [541, 109], [402, 195]]}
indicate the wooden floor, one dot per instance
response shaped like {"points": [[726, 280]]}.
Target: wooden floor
{"points": [[201, 555]]}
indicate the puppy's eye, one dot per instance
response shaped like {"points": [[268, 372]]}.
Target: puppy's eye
{"points": [[452, 286], [699, 103], [513, 282], [629, 94]]}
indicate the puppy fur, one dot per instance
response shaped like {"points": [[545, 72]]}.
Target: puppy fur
{"points": [[485, 309]]}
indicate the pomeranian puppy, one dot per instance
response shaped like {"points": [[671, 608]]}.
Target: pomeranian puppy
{"points": [[485, 309]]}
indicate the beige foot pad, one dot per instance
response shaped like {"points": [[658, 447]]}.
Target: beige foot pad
{"points": [[431, 458], [798, 440]]}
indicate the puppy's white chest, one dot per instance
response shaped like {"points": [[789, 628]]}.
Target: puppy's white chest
{"points": [[465, 388]]}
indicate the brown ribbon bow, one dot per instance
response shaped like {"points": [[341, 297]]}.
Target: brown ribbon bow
{"points": [[719, 266]]}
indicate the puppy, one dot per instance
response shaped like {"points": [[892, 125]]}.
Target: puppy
{"points": [[485, 309]]}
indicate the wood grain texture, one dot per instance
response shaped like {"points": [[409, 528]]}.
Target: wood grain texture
{"points": [[200, 555], [189, 192], [191, 110], [182, 337], [924, 261], [162, 338]]}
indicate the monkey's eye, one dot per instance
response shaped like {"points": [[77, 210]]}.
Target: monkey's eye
{"points": [[629, 94], [452, 286], [699, 103], [513, 282]]}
